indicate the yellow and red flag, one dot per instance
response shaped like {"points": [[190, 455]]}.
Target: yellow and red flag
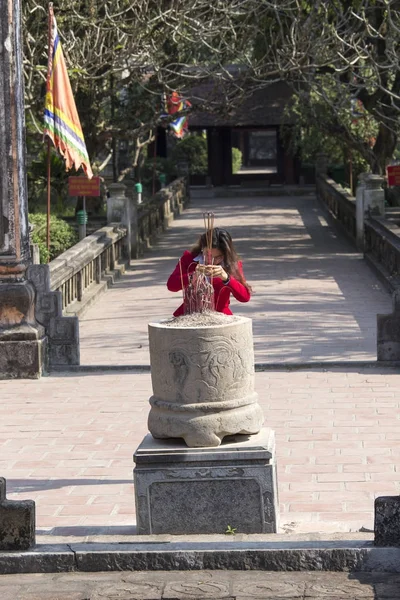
{"points": [[61, 118]]}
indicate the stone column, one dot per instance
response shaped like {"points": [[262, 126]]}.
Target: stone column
{"points": [[118, 211], [360, 210], [374, 194], [22, 340]]}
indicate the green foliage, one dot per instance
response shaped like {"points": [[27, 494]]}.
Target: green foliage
{"points": [[37, 182], [161, 166], [310, 128], [193, 149], [62, 235], [230, 530], [236, 160]]}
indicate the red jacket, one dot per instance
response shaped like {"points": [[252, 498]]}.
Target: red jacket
{"points": [[222, 291]]}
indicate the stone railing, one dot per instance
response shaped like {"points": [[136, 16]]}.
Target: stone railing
{"points": [[76, 272], [382, 249], [339, 203], [155, 215], [69, 284]]}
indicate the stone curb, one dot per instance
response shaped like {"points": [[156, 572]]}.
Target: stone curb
{"points": [[291, 555], [258, 367]]}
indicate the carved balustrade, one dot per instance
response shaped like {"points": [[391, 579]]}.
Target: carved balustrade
{"points": [[382, 248], [341, 204], [75, 272]]}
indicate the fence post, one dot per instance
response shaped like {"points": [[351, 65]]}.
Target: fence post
{"points": [[118, 212], [374, 194]]}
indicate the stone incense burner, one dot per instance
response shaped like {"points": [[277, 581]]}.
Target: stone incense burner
{"points": [[202, 369]]}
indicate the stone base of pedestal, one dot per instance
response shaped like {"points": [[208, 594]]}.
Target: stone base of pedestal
{"points": [[387, 521], [22, 352], [17, 522], [181, 490]]}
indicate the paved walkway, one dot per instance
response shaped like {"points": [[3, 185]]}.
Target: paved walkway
{"points": [[176, 585], [315, 298], [67, 440]]}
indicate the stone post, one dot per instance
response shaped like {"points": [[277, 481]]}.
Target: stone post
{"points": [[360, 211], [17, 522], [387, 521], [321, 165], [374, 194], [388, 332], [22, 339], [118, 211]]}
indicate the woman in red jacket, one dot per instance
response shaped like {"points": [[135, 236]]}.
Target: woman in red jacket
{"points": [[225, 272]]}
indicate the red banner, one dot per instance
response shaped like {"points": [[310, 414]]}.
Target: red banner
{"points": [[393, 175], [81, 186]]}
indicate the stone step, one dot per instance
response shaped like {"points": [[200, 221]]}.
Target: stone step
{"points": [[272, 552]]}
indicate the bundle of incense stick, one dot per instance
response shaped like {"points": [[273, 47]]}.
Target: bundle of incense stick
{"points": [[198, 296]]}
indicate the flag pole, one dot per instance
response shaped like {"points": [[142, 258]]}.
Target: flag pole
{"points": [[48, 195], [48, 139]]}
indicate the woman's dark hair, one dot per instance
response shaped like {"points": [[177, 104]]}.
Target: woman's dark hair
{"points": [[221, 239]]}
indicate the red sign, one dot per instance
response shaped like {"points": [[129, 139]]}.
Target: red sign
{"points": [[393, 175], [82, 186]]}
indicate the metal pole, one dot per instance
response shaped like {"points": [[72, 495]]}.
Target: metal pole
{"points": [[48, 196], [49, 59]]}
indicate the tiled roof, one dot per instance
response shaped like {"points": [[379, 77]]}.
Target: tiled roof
{"points": [[262, 108]]}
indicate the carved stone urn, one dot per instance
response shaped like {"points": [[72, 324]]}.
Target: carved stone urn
{"points": [[203, 381]]}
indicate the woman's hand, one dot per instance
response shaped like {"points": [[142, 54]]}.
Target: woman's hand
{"points": [[213, 271]]}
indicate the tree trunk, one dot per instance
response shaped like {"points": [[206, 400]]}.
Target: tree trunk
{"points": [[383, 149]]}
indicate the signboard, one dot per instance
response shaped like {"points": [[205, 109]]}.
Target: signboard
{"points": [[82, 186], [393, 175]]}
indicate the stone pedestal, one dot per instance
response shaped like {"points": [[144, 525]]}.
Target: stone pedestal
{"points": [[203, 382], [181, 490], [17, 522], [387, 521]]}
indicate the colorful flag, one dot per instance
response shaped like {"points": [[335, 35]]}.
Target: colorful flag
{"points": [[61, 118], [176, 104]]}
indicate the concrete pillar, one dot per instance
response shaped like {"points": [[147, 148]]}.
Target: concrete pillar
{"points": [[321, 165], [360, 211], [22, 339], [119, 211], [374, 195]]}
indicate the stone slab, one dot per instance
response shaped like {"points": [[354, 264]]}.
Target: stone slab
{"points": [[387, 521], [195, 554], [236, 447], [181, 490], [218, 585]]}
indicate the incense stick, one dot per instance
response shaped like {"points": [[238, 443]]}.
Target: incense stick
{"points": [[183, 288]]}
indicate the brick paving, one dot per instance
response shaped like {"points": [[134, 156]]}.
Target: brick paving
{"points": [[67, 440], [315, 298]]}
